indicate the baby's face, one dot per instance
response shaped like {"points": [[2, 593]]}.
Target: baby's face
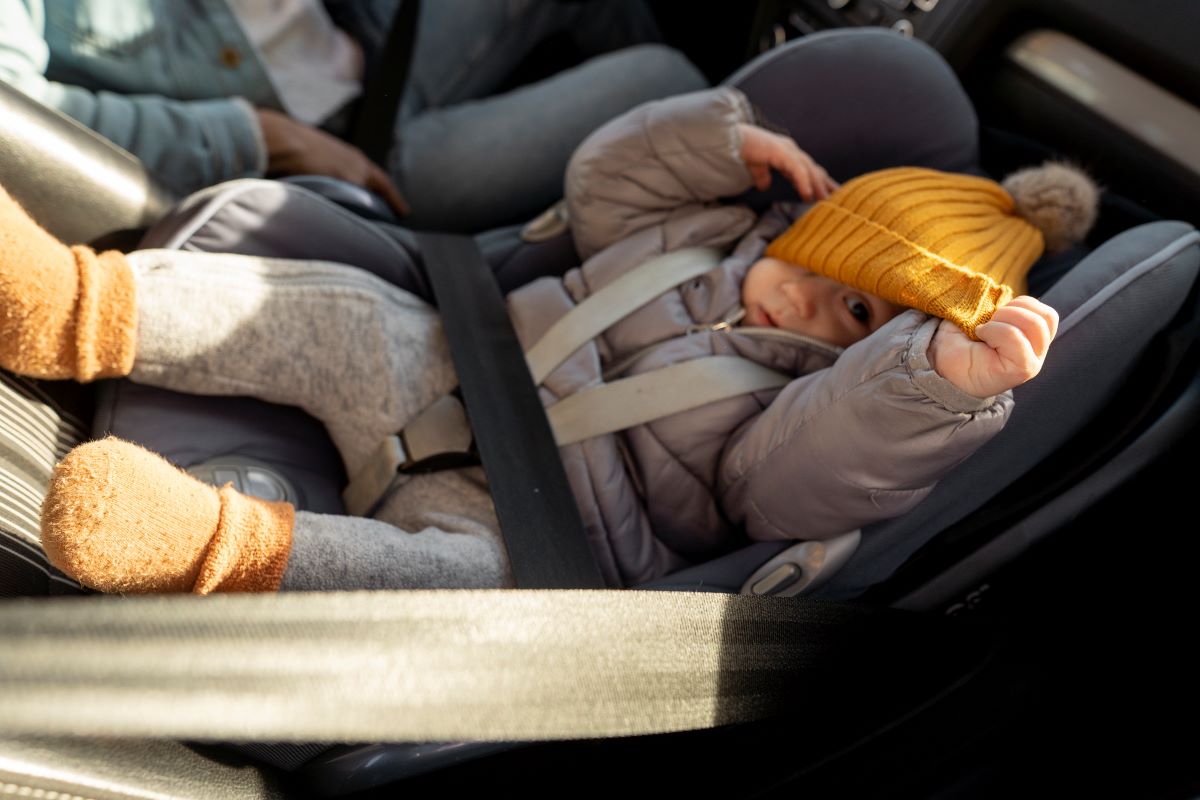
{"points": [[777, 294]]}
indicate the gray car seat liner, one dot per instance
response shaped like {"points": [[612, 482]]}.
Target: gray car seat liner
{"points": [[946, 572]]}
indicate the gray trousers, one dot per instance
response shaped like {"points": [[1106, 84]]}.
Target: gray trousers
{"points": [[357, 353], [470, 156]]}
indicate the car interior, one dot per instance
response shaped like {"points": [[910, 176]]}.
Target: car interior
{"points": [[1039, 594]]}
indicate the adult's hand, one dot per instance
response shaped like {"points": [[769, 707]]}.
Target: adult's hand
{"points": [[294, 148]]}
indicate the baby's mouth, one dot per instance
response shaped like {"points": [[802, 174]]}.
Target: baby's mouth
{"points": [[760, 317]]}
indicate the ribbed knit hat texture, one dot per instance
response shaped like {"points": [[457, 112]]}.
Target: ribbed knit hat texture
{"points": [[948, 244]]}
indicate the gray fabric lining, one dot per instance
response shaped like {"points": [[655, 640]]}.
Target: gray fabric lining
{"points": [[189, 429], [980, 563], [262, 198]]}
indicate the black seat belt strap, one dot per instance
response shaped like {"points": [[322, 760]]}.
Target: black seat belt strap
{"points": [[374, 127], [534, 503]]}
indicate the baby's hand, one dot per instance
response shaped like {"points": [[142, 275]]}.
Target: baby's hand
{"points": [[1011, 351], [762, 150]]}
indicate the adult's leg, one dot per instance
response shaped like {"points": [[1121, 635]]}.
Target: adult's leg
{"points": [[485, 163], [467, 49]]}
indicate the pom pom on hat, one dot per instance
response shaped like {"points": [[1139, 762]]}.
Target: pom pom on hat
{"points": [[948, 244], [1057, 199]]}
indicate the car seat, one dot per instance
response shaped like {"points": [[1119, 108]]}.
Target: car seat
{"points": [[1118, 302]]}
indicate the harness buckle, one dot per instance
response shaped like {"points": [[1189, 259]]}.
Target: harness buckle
{"points": [[438, 438]]}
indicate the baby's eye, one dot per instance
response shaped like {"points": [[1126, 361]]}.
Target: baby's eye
{"points": [[859, 310]]}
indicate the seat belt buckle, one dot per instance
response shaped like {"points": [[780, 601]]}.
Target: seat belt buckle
{"points": [[438, 438]]}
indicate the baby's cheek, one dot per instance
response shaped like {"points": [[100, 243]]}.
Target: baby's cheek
{"points": [[758, 280]]}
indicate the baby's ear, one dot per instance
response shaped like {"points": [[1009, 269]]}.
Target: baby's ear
{"points": [[1058, 199]]}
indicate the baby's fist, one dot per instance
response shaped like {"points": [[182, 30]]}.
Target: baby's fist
{"points": [[1012, 347]]}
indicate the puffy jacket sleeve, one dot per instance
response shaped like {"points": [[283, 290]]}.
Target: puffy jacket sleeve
{"points": [[660, 161], [186, 144], [861, 441]]}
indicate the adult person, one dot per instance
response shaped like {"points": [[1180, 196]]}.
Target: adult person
{"points": [[209, 90]]}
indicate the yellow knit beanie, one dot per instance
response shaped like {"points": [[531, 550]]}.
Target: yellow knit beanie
{"points": [[955, 246]]}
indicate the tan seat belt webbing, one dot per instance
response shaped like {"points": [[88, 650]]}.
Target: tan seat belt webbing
{"points": [[614, 302], [498, 665], [620, 404]]}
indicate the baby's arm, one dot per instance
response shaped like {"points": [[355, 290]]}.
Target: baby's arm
{"points": [[664, 160], [862, 441], [654, 163]]}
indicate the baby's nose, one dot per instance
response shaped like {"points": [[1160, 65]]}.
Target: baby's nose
{"points": [[801, 298]]}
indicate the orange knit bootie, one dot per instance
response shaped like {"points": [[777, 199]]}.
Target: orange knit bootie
{"points": [[65, 312], [119, 518]]}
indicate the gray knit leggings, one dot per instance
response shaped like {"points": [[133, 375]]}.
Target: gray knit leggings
{"points": [[357, 353]]}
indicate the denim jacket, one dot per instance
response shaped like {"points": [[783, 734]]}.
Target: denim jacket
{"points": [[172, 81]]}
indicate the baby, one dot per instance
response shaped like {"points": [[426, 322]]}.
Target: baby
{"points": [[884, 400]]}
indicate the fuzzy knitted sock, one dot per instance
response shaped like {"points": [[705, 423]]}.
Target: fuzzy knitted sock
{"points": [[65, 312], [119, 518]]}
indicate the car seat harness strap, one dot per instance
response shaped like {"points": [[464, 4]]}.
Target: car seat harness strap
{"points": [[612, 303], [614, 406], [438, 438]]}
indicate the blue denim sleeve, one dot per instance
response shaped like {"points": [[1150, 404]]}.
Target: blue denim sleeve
{"points": [[187, 144]]}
